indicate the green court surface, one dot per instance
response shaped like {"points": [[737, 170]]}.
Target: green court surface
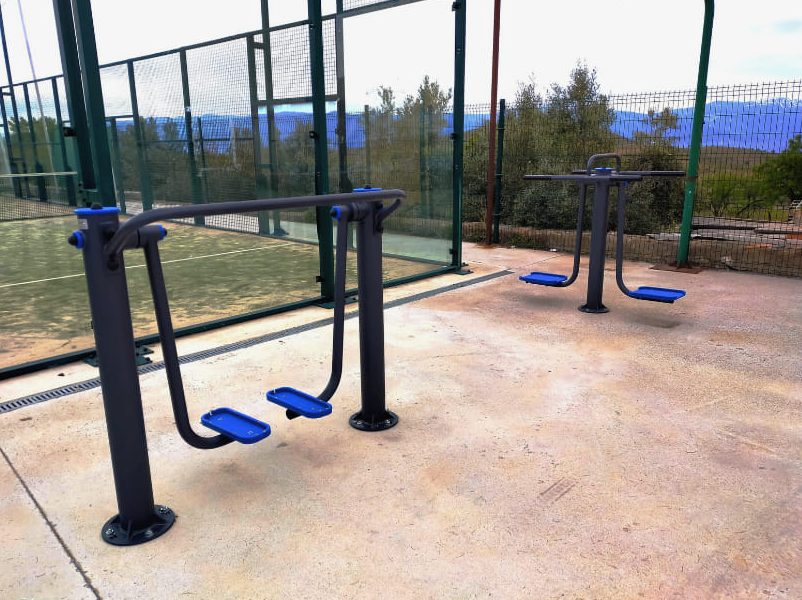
{"points": [[211, 274]]}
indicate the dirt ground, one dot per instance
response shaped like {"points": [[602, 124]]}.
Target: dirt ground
{"points": [[651, 452]]}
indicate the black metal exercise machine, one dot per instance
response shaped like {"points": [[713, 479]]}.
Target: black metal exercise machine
{"points": [[602, 179], [103, 240]]}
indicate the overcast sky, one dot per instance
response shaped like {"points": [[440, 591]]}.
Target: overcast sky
{"points": [[635, 45]]}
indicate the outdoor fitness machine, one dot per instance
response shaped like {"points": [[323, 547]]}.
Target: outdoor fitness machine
{"points": [[602, 179], [103, 239]]}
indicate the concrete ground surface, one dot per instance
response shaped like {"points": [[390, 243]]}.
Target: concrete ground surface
{"points": [[651, 452]]}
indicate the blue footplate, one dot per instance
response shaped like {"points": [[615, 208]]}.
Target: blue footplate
{"points": [[236, 425], [656, 294], [300, 402], [549, 279]]}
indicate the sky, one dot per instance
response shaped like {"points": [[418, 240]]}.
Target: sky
{"points": [[634, 45]]}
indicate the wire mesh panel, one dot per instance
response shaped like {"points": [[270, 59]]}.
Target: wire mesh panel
{"points": [[162, 110], [292, 76], [744, 218], [116, 90]]}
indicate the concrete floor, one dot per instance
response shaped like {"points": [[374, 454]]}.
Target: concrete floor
{"points": [[655, 451]]}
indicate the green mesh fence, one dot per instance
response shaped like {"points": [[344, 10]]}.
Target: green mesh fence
{"points": [[743, 219]]}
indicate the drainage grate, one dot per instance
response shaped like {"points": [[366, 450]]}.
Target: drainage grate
{"points": [[153, 367]]}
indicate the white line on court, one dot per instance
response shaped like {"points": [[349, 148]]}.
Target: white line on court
{"points": [[165, 262]]}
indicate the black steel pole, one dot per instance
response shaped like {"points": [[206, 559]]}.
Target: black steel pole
{"points": [[139, 520], [598, 246], [374, 415]]}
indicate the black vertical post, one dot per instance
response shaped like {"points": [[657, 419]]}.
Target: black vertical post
{"points": [[458, 134], [194, 181], [145, 189], [598, 247], [256, 135], [139, 520], [204, 168], [40, 182], [374, 415], [65, 162], [502, 111], [89, 77], [368, 174], [342, 132], [14, 111], [116, 164], [272, 135], [320, 136]]}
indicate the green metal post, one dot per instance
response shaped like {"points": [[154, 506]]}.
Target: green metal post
{"points": [[502, 112], [458, 135], [320, 136], [41, 188], [696, 138], [93, 97], [368, 168], [259, 176], [117, 165], [74, 89], [65, 162], [194, 180], [272, 135], [145, 187]]}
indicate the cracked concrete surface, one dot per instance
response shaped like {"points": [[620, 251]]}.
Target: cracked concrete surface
{"points": [[654, 452]]}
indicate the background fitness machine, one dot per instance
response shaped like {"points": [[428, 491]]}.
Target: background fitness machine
{"points": [[602, 179]]}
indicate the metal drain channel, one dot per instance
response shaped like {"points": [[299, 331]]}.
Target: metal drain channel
{"points": [[90, 384]]}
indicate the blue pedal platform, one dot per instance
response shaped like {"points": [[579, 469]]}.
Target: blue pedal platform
{"points": [[550, 279], [236, 425], [656, 294], [300, 402]]}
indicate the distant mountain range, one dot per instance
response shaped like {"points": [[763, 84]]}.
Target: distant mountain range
{"points": [[765, 126]]}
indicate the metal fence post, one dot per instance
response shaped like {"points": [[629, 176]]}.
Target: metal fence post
{"points": [[368, 169], [117, 165], [145, 189], [320, 136], [138, 520], [458, 135], [93, 97], [40, 183], [194, 180], [262, 217], [502, 112], [696, 138], [65, 162]]}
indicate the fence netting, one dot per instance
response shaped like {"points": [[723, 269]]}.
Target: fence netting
{"points": [[747, 212]]}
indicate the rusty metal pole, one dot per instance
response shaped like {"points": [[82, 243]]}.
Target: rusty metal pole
{"points": [[491, 133]]}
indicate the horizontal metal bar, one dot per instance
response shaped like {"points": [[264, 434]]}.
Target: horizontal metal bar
{"points": [[583, 176], [363, 10], [650, 173], [129, 228], [54, 174]]}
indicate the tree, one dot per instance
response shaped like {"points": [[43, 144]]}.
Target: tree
{"points": [[579, 118], [782, 174], [655, 202]]}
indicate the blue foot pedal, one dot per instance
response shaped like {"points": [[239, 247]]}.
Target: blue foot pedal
{"points": [[300, 402], [236, 425], [549, 279], [656, 294]]}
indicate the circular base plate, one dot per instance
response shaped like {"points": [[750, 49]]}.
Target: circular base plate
{"points": [[118, 533], [586, 309], [385, 421]]}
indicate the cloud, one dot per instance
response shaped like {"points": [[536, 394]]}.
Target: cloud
{"points": [[792, 26]]}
